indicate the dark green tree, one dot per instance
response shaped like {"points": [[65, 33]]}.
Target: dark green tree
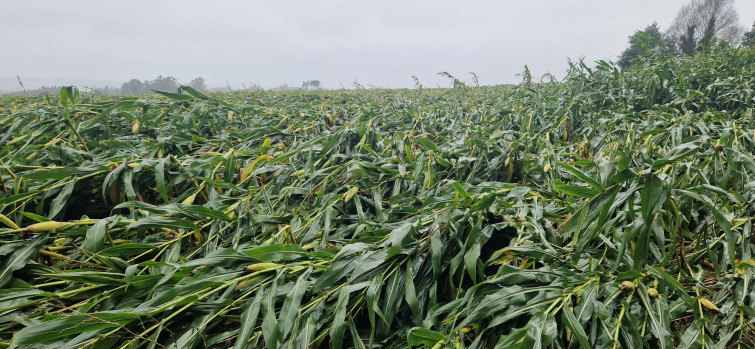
{"points": [[687, 42], [310, 85], [643, 43], [164, 83], [749, 38], [198, 84], [132, 87]]}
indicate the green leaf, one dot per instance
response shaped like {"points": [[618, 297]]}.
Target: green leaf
{"points": [[373, 293], [192, 92], [393, 296], [198, 212], [95, 238], [194, 211], [541, 330], [622, 177], [676, 286], [355, 338], [397, 238], [532, 251], [249, 319], [515, 339], [270, 329], [436, 249], [460, 189], [721, 220], [410, 294], [19, 197], [335, 272], [503, 299], [581, 175], [163, 222], [423, 336], [567, 316], [676, 153], [575, 190], [35, 217], [90, 277], [160, 178], [175, 96], [276, 253], [652, 197], [60, 201], [220, 184], [61, 173], [19, 258], [65, 92], [226, 257], [127, 249], [338, 328], [428, 144], [289, 312], [110, 179], [692, 337], [485, 201], [655, 315], [71, 325]]}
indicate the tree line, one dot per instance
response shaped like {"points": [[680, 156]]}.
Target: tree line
{"points": [[161, 83], [698, 24]]}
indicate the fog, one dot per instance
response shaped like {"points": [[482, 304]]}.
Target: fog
{"points": [[270, 43]]}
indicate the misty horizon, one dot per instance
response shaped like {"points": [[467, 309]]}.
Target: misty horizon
{"points": [[380, 44]]}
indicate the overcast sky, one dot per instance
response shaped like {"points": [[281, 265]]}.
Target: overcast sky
{"points": [[379, 43]]}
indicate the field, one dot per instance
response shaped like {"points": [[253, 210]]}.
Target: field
{"points": [[613, 209]]}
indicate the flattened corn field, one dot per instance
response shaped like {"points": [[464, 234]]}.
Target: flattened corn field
{"points": [[613, 209]]}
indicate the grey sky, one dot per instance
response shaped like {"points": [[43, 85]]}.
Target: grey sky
{"points": [[380, 43]]}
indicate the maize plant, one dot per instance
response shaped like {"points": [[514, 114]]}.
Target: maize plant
{"points": [[612, 209]]}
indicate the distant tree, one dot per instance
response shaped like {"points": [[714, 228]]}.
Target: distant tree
{"points": [[107, 90], [132, 87], [686, 42], [642, 43], [749, 38], [198, 84], [701, 21], [283, 87], [253, 86], [161, 83], [311, 84]]}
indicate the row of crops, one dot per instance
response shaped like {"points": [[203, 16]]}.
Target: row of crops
{"points": [[609, 210]]}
